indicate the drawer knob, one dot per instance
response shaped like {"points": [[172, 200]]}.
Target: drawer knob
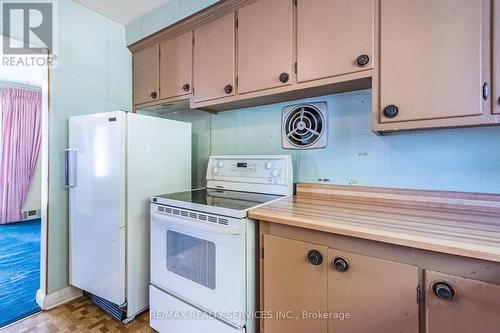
{"points": [[228, 89], [391, 111], [340, 264], [284, 77], [154, 94], [443, 290], [315, 257], [363, 60], [186, 87]]}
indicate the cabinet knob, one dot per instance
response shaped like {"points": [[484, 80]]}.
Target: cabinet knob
{"points": [[486, 91], [315, 257], [284, 77], [228, 89], [363, 60], [154, 94], [186, 87], [391, 111], [340, 264], [443, 290]]}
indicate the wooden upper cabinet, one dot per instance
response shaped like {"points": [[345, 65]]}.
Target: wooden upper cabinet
{"points": [[292, 284], [214, 59], [175, 66], [463, 305], [434, 59], [379, 295], [496, 57], [334, 37], [146, 75], [265, 45]]}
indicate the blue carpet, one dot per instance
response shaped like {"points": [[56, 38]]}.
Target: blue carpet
{"points": [[19, 270]]}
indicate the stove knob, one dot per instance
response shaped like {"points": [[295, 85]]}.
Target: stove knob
{"points": [[220, 164], [269, 165], [215, 171], [275, 173]]}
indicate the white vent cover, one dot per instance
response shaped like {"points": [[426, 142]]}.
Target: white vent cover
{"points": [[304, 126]]}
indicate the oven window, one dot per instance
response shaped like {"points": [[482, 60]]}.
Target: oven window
{"points": [[192, 258]]}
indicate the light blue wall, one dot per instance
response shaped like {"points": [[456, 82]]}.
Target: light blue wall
{"points": [[93, 74], [161, 17], [454, 160]]}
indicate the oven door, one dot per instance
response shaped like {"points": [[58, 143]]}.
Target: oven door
{"points": [[201, 262]]}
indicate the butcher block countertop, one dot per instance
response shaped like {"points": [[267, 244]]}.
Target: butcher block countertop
{"points": [[464, 224]]}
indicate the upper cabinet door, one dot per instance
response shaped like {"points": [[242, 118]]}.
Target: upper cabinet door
{"points": [[455, 304], [294, 280], [146, 70], [496, 57], [175, 66], [214, 58], [380, 295], [334, 37], [265, 45], [434, 59]]}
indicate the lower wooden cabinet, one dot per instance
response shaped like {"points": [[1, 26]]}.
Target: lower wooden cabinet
{"points": [[309, 288], [292, 284], [379, 295], [457, 305]]}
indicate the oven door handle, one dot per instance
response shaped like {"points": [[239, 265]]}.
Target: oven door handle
{"points": [[208, 226]]}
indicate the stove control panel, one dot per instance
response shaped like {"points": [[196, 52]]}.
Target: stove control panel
{"points": [[262, 169]]}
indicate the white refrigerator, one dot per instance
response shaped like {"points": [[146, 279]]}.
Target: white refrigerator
{"points": [[116, 161]]}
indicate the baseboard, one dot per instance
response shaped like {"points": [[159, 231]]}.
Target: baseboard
{"points": [[49, 301]]}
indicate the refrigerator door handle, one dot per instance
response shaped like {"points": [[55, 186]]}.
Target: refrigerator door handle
{"points": [[70, 168]]}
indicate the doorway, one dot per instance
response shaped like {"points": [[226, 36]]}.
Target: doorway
{"points": [[23, 188]]}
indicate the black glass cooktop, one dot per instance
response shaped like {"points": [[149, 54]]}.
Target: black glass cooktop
{"points": [[221, 198]]}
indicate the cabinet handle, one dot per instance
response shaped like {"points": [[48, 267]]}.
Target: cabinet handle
{"points": [[315, 257], [363, 60], [154, 94], [443, 290], [340, 264], [486, 91], [186, 87], [498, 100], [391, 111], [284, 77], [228, 89]]}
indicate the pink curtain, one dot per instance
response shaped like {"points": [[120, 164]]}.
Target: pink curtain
{"points": [[21, 139]]}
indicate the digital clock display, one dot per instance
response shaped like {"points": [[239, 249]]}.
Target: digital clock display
{"points": [[241, 165]]}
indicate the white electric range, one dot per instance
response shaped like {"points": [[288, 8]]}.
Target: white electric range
{"points": [[204, 248]]}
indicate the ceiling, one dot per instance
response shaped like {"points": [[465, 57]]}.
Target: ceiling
{"points": [[122, 11]]}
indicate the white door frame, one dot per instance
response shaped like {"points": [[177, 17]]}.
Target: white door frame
{"points": [[44, 300]]}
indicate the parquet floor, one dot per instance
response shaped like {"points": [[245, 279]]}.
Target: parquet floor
{"points": [[79, 315]]}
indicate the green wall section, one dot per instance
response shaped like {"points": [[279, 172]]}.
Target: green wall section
{"points": [[93, 74], [165, 15], [453, 160]]}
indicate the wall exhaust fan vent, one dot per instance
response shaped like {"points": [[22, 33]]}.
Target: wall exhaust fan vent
{"points": [[304, 126]]}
